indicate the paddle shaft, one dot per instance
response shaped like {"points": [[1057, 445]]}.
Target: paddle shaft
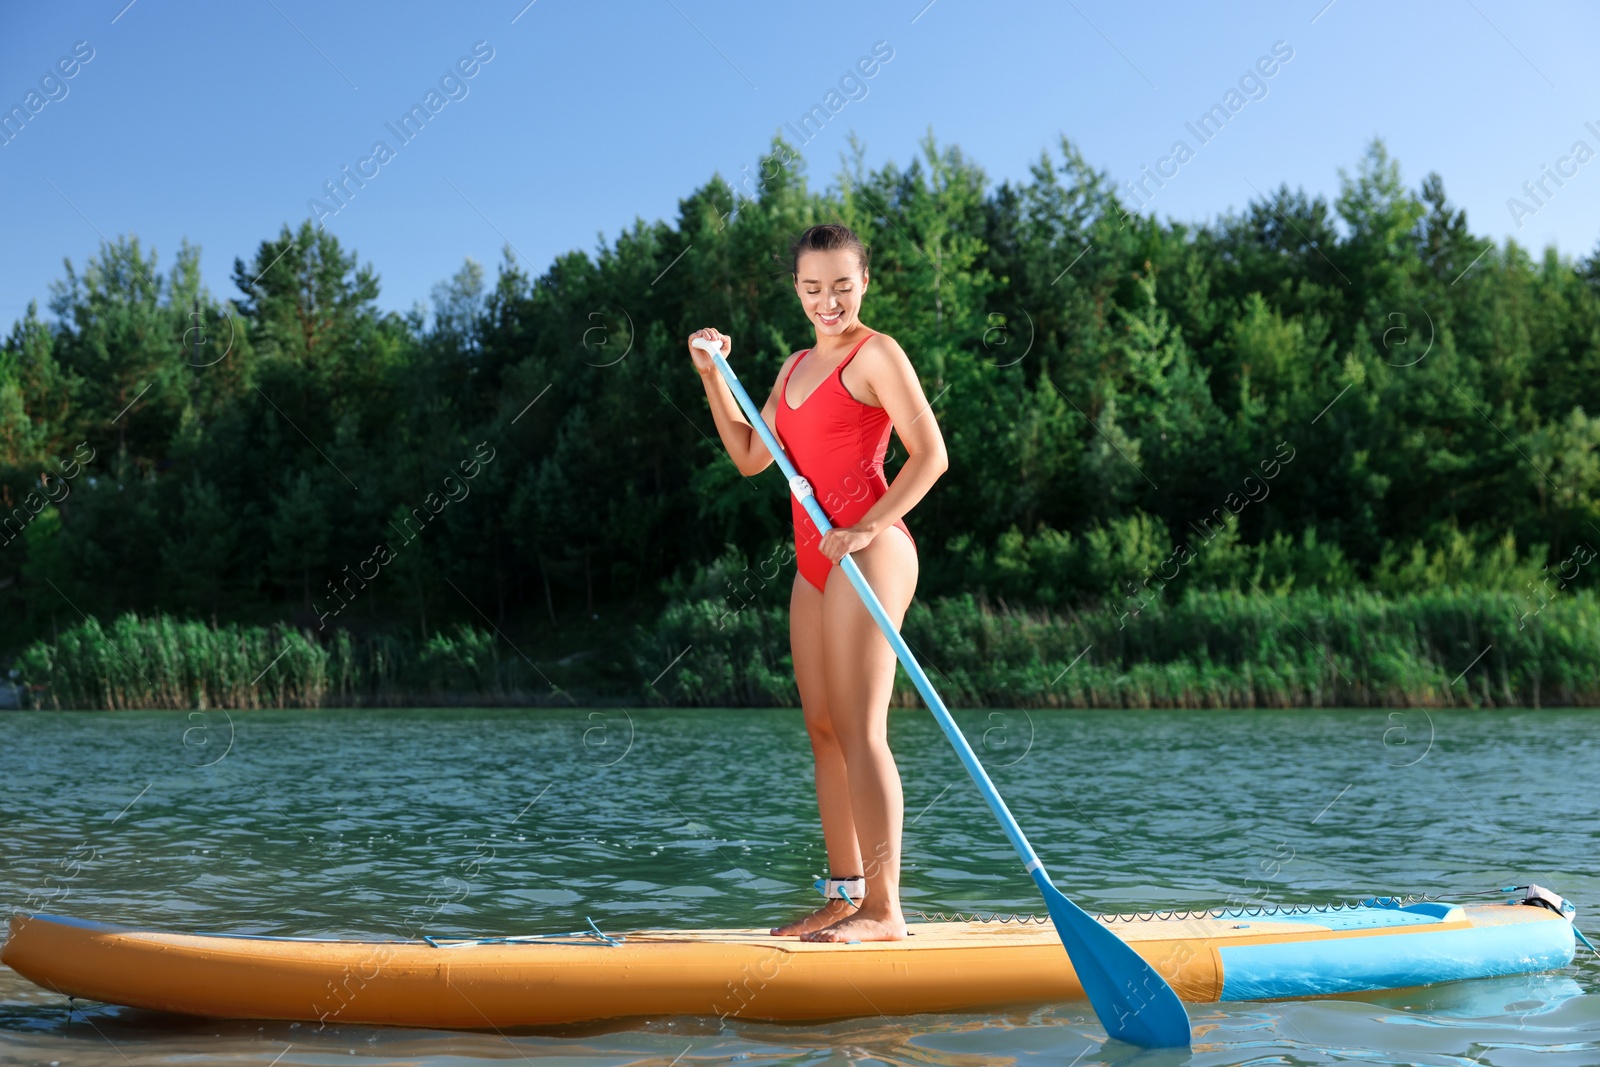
{"points": [[802, 490]]}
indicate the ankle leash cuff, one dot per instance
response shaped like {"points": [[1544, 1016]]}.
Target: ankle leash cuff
{"points": [[849, 890]]}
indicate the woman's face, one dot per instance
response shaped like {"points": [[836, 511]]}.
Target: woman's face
{"points": [[830, 286]]}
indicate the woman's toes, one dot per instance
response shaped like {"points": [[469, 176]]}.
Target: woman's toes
{"points": [[860, 928], [827, 914]]}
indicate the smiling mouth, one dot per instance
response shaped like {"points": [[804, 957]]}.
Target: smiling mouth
{"points": [[829, 320]]}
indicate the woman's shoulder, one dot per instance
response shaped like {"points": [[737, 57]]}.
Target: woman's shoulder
{"points": [[790, 362], [882, 349], [788, 365]]}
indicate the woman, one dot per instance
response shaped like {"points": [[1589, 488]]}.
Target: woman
{"points": [[831, 409]]}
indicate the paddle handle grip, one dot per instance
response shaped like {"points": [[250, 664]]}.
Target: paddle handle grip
{"points": [[802, 492]]}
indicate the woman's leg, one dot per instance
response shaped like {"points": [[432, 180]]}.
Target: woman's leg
{"points": [[860, 678], [833, 791]]}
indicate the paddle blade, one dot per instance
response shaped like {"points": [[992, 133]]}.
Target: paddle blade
{"points": [[1133, 1001]]}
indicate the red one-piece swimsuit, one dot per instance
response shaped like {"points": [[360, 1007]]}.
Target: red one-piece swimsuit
{"points": [[838, 444]]}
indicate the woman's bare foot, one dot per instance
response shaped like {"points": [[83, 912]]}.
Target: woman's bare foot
{"points": [[878, 924], [830, 913]]}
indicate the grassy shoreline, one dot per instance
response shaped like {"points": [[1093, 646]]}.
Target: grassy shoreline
{"points": [[1445, 648]]}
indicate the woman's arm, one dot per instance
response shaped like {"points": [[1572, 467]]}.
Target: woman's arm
{"points": [[745, 447], [893, 383]]}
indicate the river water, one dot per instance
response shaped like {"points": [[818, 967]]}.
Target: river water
{"points": [[352, 823]]}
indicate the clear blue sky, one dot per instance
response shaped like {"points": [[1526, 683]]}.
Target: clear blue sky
{"points": [[217, 122]]}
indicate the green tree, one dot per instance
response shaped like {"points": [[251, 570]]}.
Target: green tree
{"points": [[300, 536]]}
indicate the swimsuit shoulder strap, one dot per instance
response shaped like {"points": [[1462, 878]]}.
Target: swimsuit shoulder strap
{"points": [[854, 350], [790, 373]]}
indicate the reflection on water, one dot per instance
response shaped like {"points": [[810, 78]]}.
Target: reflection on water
{"points": [[503, 821]]}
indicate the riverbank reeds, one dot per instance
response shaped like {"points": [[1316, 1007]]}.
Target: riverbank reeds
{"points": [[1445, 648], [163, 662]]}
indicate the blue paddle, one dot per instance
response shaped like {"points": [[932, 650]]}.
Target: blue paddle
{"points": [[1134, 1003]]}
